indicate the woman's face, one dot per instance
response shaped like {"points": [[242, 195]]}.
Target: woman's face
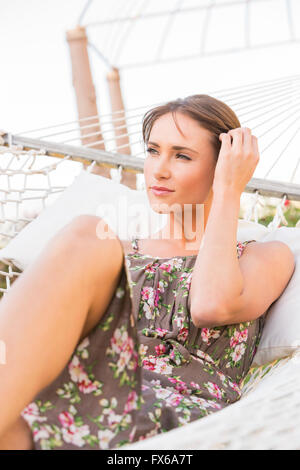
{"points": [[189, 172]]}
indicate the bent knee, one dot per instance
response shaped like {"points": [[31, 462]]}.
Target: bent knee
{"points": [[90, 226], [94, 233]]}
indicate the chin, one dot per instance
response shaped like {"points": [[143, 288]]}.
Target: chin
{"points": [[159, 210]]}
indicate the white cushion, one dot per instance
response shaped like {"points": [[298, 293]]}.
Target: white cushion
{"points": [[281, 332], [122, 207]]}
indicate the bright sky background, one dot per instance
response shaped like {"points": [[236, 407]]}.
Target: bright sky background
{"points": [[36, 80]]}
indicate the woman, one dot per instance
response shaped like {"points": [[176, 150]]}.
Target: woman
{"points": [[135, 339]]}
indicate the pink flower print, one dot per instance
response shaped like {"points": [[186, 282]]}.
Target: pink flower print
{"points": [[148, 295], [113, 418], [148, 311], [172, 379], [131, 403], [156, 298], [162, 366], [155, 383], [213, 389], [172, 264], [243, 335], [240, 248], [32, 413], [205, 356], [178, 320], [189, 281], [87, 386], [162, 393], [128, 357], [41, 433], [84, 343], [238, 352], [187, 278], [76, 370], [235, 387], [166, 267], [161, 332], [194, 385], [213, 404], [183, 334], [66, 419], [207, 333], [160, 349], [157, 364], [142, 349], [150, 268], [79, 376], [235, 339], [161, 286], [174, 400], [180, 386], [238, 337], [172, 355], [148, 363], [71, 433], [105, 436], [118, 340], [222, 376]]}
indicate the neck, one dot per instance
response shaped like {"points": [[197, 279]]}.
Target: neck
{"points": [[185, 230]]}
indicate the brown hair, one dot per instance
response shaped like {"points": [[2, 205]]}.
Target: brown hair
{"points": [[211, 113]]}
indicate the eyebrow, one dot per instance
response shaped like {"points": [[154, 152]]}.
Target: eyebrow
{"points": [[175, 147]]}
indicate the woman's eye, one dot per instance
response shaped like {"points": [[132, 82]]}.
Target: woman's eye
{"points": [[181, 155], [150, 150]]}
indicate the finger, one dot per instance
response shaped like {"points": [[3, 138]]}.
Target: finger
{"points": [[226, 141], [255, 145], [237, 139], [247, 141]]}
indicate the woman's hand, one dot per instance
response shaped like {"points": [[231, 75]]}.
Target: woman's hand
{"points": [[237, 160]]}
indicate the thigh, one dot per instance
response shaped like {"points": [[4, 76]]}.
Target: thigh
{"points": [[105, 260]]}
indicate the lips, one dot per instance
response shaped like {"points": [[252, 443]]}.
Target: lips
{"points": [[161, 188], [161, 192]]}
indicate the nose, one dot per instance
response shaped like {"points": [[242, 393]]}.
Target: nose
{"points": [[161, 168]]}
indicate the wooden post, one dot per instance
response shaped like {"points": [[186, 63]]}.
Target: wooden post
{"points": [[85, 92], [116, 99]]}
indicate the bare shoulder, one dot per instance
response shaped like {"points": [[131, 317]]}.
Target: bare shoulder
{"points": [[267, 268], [274, 254], [277, 248]]}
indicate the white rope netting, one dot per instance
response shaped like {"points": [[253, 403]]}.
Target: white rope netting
{"points": [[114, 29]]}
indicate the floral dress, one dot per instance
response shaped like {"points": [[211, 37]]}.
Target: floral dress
{"points": [[145, 368]]}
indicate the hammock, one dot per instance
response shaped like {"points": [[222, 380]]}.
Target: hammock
{"points": [[31, 172]]}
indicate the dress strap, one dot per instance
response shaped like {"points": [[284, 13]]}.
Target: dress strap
{"points": [[242, 245], [134, 243]]}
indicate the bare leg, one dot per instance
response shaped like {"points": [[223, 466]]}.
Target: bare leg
{"points": [[44, 313]]}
